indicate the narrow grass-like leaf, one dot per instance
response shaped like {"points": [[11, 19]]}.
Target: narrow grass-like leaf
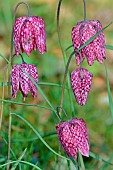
{"points": [[106, 164], [19, 159], [95, 156], [109, 92], [40, 83], [4, 58], [74, 163], [69, 47], [24, 162], [25, 104], [49, 84], [11, 152], [38, 135], [109, 47], [41, 91], [3, 84], [33, 138]]}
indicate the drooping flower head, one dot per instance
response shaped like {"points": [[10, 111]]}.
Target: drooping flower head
{"points": [[73, 136], [81, 80], [20, 78], [29, 34], [95, 50]]}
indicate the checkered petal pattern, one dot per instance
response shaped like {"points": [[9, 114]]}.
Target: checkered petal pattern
{"points": [[21, 81], [95, 50], [81, 80], [29, 34], [15, 80], [73, 136]]}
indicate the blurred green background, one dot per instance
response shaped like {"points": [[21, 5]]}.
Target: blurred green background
{"points": [[96, 112]]}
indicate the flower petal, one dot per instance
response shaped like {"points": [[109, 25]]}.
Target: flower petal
{"points": [[81, 80]]}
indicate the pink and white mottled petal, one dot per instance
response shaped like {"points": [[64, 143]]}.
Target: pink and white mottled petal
{"points": [[27, 38], [16, 33], [15, 80], [66, 139], [40, 34], [24, 83], [33, 72], [95, 50], [81, 80], [76, 42]]}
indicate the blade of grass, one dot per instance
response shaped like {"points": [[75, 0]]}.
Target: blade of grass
{"points": [[109, 47], [74, 163], [25, 104], [38, 135], [11, 152], [106, 164], [33, 138], [4, 58], [40, 83], [24, 162], [109, 92], [95, 156], [42, 93], [19, 159]]}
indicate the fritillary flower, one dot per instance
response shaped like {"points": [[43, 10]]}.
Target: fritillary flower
{"points": [[29, 34], [81, 80], [95, 50], [20, 79], [73, 136]]}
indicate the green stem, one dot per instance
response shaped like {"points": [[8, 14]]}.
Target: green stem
{"points": [[25, 3], [9, 83], [65, 60], [84, 2]]}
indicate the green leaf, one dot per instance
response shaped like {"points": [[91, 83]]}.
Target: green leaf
{"points": [[95, 156], [109, 92], [38, 135], [74, 163], [109, 47], [19, 159], [24, 162], [25, 104], [4, 58]]}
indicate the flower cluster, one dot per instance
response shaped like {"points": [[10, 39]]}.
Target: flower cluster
{"points": [[73, 136], [28, 34], [95, 50]]}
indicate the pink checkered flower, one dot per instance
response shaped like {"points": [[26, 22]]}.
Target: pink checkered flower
{"points": [[20, 78], [73, 136], [81, 80], [95, 50], [29, 34]]}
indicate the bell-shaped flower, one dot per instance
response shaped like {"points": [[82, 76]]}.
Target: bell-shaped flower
{"points": [[73, 136], [95, 50], [22, 78], [81, 80], [29, 34]]}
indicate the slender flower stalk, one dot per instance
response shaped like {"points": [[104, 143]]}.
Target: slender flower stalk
{"points": [[84, 2], [9, 84], [65, 61]]}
